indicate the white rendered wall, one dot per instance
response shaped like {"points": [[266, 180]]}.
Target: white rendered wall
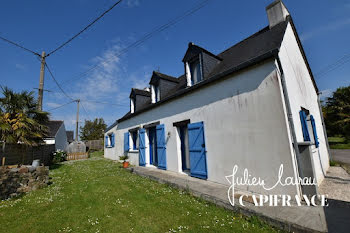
{"points": [[244, 121], [303, 94]]}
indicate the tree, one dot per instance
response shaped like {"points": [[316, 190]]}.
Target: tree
{"points": [[93, 130], [20, 121], [337, 112]]}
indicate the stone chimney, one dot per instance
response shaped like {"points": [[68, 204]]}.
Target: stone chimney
{"points": [[276, 13]]}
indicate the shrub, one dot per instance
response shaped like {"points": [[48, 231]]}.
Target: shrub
{"points": [[124, 157], [59, 156]]}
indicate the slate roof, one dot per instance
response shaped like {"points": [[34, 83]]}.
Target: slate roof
{"points": [[53, 126], [135, 91], [260, 46], [156, 75]]}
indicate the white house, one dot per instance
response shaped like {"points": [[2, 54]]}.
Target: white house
{"points": [[57, 135], [255, 105]]}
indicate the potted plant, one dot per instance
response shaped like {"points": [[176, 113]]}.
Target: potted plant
{"points": [[124, 158]]}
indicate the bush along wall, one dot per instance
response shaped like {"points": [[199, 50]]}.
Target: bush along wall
{"points": [[16, 181]]}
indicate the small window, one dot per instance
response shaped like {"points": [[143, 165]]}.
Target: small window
{"points": [[134, 140], [196, 74], [110, 140]]}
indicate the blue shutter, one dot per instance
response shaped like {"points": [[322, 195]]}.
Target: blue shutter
{"points": [[106, 141], [314, 130], [112, 140], [197, 150], [126, 141], [304, 125], [161, 147], [142, 147]]}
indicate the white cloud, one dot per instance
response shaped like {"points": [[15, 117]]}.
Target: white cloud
{"points": [[133, 3], [20, 66], [53, 105], [333, 26], [104, 80]]}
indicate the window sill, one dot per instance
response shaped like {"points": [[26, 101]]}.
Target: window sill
{"points": [[133, 151], [109, 146]]}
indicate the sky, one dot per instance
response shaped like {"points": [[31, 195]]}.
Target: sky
{"points": [[41, 25]]}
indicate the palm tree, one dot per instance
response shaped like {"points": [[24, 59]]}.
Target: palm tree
{"points": [[20, 120]]}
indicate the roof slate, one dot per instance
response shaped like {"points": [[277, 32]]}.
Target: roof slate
{"points": [[53, 126], [248, 52]]}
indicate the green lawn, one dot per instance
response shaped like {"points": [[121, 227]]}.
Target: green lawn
{"points": [[338, 143], [97, 195]]}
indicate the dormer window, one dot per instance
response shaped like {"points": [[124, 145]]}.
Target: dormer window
{"points": [[155, 93], [198, 64], [196, 73]]}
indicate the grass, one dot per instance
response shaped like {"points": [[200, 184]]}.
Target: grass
{"points": [[97, 195], [338, 143], [345, 166], [96, 154]]}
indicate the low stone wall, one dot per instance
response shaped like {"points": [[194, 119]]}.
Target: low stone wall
{"points": [[15, 181]]}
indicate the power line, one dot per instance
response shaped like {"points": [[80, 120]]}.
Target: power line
{"points": [[61, 106], [19, 46], [337, 64], [84, 29], [144, 38], [99, 102], [87, 114], [54, 79]]}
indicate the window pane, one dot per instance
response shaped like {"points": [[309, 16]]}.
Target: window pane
{"points": [[195, 72], [134, 139]]}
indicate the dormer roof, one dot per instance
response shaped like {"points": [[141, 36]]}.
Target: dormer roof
{"points": [[193, 51], [135, 91], [157, 75]]}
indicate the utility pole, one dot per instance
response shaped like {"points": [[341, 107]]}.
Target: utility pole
{"points": [[41, 82], [76, 126]]}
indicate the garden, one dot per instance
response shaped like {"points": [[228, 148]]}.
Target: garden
{"points": [[98, 195]]}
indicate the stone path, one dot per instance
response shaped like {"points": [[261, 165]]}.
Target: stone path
{"points": [[293, 219], [337, 186]]}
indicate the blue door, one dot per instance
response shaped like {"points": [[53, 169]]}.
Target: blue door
{"points": [[161, 147], [142, 147], [198, 160]]}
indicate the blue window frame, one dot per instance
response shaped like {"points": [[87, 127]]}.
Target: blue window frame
{"points": [[110, 140], [134, 140]]}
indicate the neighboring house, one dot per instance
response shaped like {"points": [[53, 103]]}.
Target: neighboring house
{"points": [[57, 135], [245, 106], [70, 136]]}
